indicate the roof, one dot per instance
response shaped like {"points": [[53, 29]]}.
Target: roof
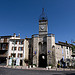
{"points": [[5, 36], [64, 44], [28, 38], [43, 16], [16, 39]]}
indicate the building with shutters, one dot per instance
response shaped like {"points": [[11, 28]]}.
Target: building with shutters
{"points": [[4, 45], [63, 50], [16, 51]]}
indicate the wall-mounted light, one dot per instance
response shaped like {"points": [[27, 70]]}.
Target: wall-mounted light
{"points": [[49, 51], [34, 53]]}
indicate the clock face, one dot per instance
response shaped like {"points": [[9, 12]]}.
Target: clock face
{"points": [[42, 27]]}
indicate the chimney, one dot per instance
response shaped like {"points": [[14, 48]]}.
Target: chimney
{"points": [[19, 35], [14, 35], [66, 42]]}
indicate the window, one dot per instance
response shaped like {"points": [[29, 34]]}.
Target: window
{"points": [[63, 57], [62, 51], [66, 47], [14, 48], [20, 48], [14, 42], [61, 46], [13, 54], [67, 56], [3, 46], [5, 39], [70, 48], [20, 55], [21, 42], [67, 51], [0, 46]]}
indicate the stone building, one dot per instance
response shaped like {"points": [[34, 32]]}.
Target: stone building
{"points": [[45, 51], [43, 43], [4, 44], [63, 51]]}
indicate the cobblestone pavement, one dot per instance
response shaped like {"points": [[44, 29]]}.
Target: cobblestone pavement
{"points": [[35, 71]]}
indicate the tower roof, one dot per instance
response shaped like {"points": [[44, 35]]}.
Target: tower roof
{"points": [[43, 16]]}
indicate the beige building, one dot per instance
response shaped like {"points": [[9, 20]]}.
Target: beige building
{"points": [[4, 44], [18, 51], [63, 50]]}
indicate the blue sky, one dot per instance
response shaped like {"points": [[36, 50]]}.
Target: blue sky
{"points": [[22, 16]]}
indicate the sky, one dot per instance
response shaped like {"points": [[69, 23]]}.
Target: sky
{"points": [[22, 16]]}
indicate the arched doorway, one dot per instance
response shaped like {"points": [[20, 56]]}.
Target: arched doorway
{"points": [[42, 60]]}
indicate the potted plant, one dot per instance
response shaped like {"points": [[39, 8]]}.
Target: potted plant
{"points": [[50, 66], [34, 65], [26, 62]]}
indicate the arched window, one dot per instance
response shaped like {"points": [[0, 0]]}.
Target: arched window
{"points": [[40, 46], [44, 46]]}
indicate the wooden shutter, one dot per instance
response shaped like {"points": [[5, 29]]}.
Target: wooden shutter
{"points": [[12, 48], [15, 55], [19, 48], [22, 42], [16, 42], [22, 48], [21, 55], [18, 55], [19, 42], [16, 48]]}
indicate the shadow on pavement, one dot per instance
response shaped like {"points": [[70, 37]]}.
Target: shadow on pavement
{"points": [[71, 74], [65, 74]]}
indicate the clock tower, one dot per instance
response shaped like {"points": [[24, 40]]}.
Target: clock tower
{"points": [[43, 23], [43, 43]]}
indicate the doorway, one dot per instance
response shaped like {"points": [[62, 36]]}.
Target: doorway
{"points": [[21, 62], [42, 60]]}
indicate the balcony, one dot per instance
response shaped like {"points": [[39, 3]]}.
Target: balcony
{"points": [[4, 49], [3, 41], [3, 55], [73, 55]]}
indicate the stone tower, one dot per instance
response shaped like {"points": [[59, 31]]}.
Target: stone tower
{"points": [[43, 22], [42, 43]]}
